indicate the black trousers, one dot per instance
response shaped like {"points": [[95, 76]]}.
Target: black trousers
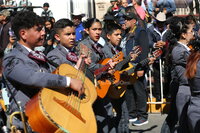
{"points": [[172, 117], [156, 75], [121, 119], [103, 111], [167, 78], [136, 98]]}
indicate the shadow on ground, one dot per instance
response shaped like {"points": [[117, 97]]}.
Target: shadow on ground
{"points": [[144, 130]]}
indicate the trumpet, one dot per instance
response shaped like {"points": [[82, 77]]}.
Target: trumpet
{"points": [[13, 127], [22, 115]]}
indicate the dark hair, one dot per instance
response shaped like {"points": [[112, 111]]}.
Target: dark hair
{"points": [[195, 44], [178, 26], [46, 4], [189, 19], [112, 27], [48, 19], [130, 9], [108, 17], [25, 20], [52, 19], [88, 23], [62, 23]]}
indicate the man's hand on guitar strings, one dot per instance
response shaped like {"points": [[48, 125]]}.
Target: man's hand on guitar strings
{"points": [[77, 85]]}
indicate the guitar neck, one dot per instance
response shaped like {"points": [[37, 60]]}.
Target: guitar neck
{"points": [[143, 63], [140, 64], [100, 70], [122, 63], [136, 50], [117, 58], [82, 65]]}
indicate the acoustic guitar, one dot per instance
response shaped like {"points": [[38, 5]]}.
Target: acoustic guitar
{"points": [[106, 80], [104, 83], [61, 110], [128, 77], [116, 58]]}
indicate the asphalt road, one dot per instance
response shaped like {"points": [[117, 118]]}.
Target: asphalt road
{"points": [[154, 125]]}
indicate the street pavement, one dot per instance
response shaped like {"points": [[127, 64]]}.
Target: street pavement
{"points": [[154, 125]]}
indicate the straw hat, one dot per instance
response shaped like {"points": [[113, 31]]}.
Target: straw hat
{"points": [[161, 17], [77, 12]]}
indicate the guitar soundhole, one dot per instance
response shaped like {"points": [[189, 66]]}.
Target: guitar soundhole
{"points": [[75, 93], [106, 76], [84, 97]]}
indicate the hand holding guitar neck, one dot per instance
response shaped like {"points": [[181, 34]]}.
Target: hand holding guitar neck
{"points": [[109, 63], [151, 59], [155, 55], [131, 57], [135, 52], [112, 64], [84, 56], [129, 76], [160, 44]]}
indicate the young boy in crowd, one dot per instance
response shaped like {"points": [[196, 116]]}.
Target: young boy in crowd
{"points": [[114, 36], [67, 50], [27, 71]]}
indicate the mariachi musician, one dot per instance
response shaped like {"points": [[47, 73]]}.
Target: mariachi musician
{"points": [[114, 36], [28, 71], [102, 107], [67, 51]]}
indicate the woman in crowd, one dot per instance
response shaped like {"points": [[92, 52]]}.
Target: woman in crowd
{"points": [[49, 37], [103, 108], [181, 35], [180, 53], [193, 74]]}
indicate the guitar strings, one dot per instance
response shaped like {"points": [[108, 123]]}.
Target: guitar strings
{"points": [[82, 77]]}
